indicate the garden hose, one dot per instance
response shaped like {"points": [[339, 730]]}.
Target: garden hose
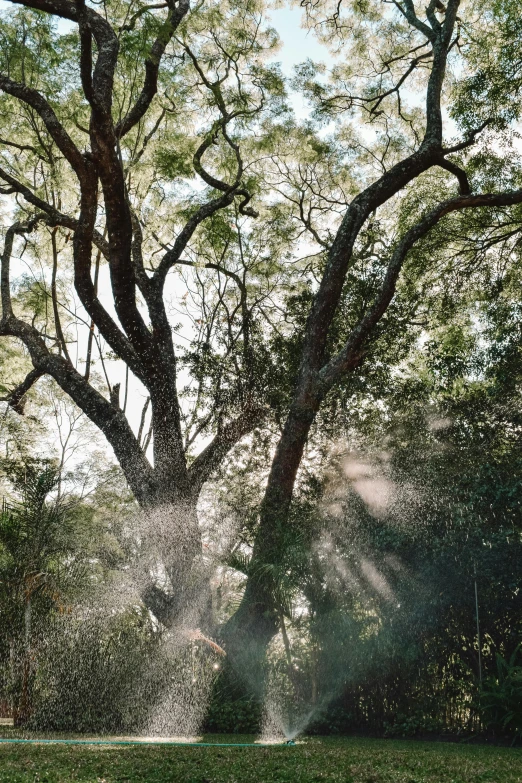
{"points": [[145, 742]]}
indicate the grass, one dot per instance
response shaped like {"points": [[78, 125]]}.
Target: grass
{"points": [[314, 760]]}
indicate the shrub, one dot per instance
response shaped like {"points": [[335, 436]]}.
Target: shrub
{"points": [[501, 697], [234, 717]]}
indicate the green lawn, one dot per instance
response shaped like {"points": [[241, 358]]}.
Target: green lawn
{"points": [[325, 759]]}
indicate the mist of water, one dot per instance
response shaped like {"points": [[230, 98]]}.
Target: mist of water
{"points": [[164, 687]]}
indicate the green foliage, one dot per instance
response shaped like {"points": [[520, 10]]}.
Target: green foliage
{"points": [[413, 724], [491, 92], [501, 696], [37, 538], [242, 716], [54, 552], [176, 160]]}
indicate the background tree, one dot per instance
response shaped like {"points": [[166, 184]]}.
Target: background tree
{"points": [[43, 561]]}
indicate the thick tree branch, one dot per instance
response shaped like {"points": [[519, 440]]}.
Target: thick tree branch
{"points": [[177, 11], [210, 265], [468, 141], [211, 139], [62, 8], [119, 230], [56, 218], [160, 604], [82, 252], [109, 420], [350, 353], [450, 20], [100, 84], [407, 9], [460, 174], [391, 182], [106, 41], [86, 59], [84, 235], [130, 25], [16, 398], [99, 91], [55, 129], [227, 436], [5, 280], [173, 255], [83, 283], [441, 43]]}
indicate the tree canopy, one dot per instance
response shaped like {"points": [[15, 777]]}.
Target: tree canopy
{"points": [[171, 229]]}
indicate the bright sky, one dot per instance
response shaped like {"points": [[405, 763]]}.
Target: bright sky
{"points": [[298, 43]]}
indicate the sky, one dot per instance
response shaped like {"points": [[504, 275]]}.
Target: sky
{"points": [[297, 43]]}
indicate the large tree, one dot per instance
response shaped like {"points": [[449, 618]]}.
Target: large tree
{"points": [[106, 128]]}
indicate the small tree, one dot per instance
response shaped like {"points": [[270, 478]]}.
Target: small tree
{"points": [[39, 567]]}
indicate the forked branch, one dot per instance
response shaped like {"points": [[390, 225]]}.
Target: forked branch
{"points": [[350, 353]]}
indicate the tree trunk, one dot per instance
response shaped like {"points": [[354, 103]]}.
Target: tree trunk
{"points": [[171, 545], [248, 633], [22, 705]]}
